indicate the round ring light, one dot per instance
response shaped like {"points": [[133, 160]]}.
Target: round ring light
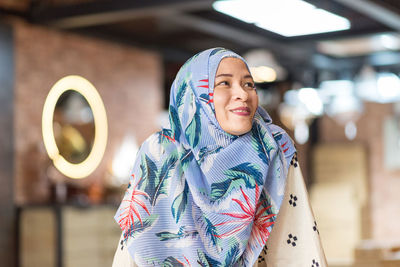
{"points": [[89, 92]]}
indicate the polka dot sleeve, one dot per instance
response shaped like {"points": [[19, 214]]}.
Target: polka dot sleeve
{"points": [[295, 238]]}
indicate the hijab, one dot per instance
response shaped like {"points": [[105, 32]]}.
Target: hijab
{"points": [[199, 196]]}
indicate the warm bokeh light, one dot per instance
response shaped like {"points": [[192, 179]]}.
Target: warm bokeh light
{"points": [[84, 87], [263, 74]]}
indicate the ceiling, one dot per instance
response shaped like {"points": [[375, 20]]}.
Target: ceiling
{"points": [[180, 28]]}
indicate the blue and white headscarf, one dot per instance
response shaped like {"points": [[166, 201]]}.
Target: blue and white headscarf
{"points": [[199, 196]]}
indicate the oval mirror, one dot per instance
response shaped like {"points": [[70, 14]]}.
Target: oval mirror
{"points": [[74, 126]]}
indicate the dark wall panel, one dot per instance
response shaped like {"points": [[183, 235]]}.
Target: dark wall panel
{"points": [[7, 208]]}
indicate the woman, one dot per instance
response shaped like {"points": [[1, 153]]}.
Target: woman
{"points": [[210, 188]]}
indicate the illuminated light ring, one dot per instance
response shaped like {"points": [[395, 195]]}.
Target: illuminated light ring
{"points": [[89, 92]]}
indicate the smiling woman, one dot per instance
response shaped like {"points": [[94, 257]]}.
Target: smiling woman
{"points": [[219, 183]]}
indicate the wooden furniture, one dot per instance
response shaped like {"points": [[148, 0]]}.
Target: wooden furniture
{"points": [[67, 236]]}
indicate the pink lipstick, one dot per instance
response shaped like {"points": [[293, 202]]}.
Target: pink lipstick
{"points": [[241, 111]]}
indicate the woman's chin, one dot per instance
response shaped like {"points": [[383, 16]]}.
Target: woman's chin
{"points": [[238, 130]]}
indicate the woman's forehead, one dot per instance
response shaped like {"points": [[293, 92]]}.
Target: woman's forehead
{"points": [[231, 64], [214, 61]]}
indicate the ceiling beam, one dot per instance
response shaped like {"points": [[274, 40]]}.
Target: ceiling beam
{"points": [[218, 29], [105, 12], [237, 35], [170, 53], [374, 11]]}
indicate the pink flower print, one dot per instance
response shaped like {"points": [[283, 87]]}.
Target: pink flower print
{"points": [[126, 217], [251, 213]]}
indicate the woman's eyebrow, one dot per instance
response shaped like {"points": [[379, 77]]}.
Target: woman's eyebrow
{"points": [[230, 75], [224, 74]]}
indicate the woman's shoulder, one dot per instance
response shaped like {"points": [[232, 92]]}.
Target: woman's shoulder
{"points": [[163, 138], [158, 145]]}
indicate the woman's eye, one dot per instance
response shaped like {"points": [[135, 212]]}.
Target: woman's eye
{"points": [[224, 83], [249, 85]]}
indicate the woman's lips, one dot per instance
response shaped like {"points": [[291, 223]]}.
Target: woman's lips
{"points": [[241, 111]]}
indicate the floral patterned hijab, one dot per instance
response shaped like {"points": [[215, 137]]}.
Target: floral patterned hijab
{"points": [[199, 196]]}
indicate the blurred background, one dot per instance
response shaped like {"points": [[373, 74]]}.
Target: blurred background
{"points": [[326, 70]]}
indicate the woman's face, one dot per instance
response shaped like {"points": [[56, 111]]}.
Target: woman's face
{"points": [[235, 97]]}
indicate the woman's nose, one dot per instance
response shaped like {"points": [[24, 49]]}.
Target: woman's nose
{"points": [[239, 93]]}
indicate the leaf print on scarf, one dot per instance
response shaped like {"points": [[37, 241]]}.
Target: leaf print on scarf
{"points": [[126, 219], [233, 255], [155, 181], [277, 136], [207, 231], [179, 205], [206, 151], [138, 228], [249, 172], [251, 214], [185, 158], [208, 98], [267, 202], [246, 173], [175, 124], [181, 94], [284, 143], [193, 130], [174, 262], [181, 194], [211, 231], [164, 236], [147, 168], [221, 189], [165, 137], [205, 260], [262, 143]]}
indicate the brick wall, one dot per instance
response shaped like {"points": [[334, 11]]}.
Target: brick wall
{"points": [[129, 81]]}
